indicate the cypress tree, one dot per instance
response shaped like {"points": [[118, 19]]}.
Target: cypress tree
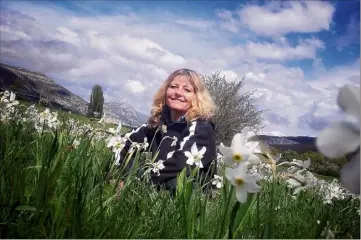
{"points": [[96, 101]]}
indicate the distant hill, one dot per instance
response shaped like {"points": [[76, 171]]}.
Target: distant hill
{"points": [[32, 86], [126, 112], [300, 144]]}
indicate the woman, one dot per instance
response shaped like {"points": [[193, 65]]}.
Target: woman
{"points": [[180, 117]]}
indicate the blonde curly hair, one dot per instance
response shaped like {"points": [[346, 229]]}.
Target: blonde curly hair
{"points": [[202, 106]]}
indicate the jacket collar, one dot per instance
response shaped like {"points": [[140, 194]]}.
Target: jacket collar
{"points": [[167, 119]]}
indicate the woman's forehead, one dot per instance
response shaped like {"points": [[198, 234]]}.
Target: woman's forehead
{"points": [[184, 80]]}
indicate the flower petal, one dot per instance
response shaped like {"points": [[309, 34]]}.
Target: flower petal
{"points": [[350, 174], [230, 173], [244, 134], [202, 151], [293, 183], [241, 194], [298, 190], [237, 141], [194, 149], [252, 187], [119, 127], [249, 135], [349, 100], [251, 145], [226, 152], [338, 140], [254, 159], [190, 161], [187, 154]]}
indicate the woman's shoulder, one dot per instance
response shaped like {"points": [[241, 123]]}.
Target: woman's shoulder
{"points": [[205, 125]]}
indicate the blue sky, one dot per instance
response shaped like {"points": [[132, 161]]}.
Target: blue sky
{"points": [[295, 54]]}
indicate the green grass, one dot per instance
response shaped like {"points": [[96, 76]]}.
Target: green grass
{"points": [[51, 190]]}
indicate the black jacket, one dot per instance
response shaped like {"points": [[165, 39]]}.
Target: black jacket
{"points": [[201, 132]]}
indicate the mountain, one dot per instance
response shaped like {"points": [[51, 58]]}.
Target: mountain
{"points": [[300, 144], [143, 118], [125, 111], [34, 86]]}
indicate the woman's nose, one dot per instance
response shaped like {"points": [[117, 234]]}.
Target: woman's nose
{"points": [[179, 92]]}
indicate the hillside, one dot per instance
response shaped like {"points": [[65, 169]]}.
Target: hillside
{"points": [[300, 144], [32, 86]]}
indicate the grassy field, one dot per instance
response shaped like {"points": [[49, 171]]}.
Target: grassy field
{"points": [[51, 188]]}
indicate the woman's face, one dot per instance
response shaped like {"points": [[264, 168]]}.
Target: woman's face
{"points": [[180, 94]]}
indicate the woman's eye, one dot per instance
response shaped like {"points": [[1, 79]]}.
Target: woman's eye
{"points": [[188, 90]]}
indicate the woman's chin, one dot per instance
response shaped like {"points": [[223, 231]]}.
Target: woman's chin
{"points": [[178, 108]]}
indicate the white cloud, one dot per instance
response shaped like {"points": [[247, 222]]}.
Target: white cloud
{"points": [[195, 23], [227, 20], [64, 34], [131, 55], [135, 86], [281, 18], [306, 49], [291, 102]]}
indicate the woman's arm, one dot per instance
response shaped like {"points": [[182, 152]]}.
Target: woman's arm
{"points": [[137, 135]]}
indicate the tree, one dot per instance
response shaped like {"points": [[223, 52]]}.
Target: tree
{"points": [[235, 111], [96, 102], [289, 155]]}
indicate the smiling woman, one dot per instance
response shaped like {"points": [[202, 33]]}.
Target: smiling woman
{"points": [[180, 130]]}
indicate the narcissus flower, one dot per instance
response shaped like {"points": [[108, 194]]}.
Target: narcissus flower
{"points": [[217, 181], [300, 182], [195, 156], [157, 166], [243, 181], [242, 150]]}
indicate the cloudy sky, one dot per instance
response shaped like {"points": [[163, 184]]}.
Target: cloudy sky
{"points": [[295, 54]]}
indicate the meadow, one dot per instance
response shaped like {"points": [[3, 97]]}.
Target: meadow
{"points": [[59, 180]]}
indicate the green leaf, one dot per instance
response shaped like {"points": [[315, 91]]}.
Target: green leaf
{"points": [[243, 210]]}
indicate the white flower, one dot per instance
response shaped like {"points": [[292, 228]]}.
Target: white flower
{"points": [[116, 131], [5, 94], [157, 166], [242, 181], [297, 165], [133, 146], [343, 138], [217, 181], [241, 149], [299, 182], [11, 101], [76, 143], [195, 156], [116, 142], [145, 144]]}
